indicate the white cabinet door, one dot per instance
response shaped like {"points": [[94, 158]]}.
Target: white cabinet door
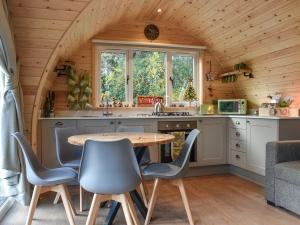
{"points": [[96, 125], [150, 125], [259, 133], [211, 149]]}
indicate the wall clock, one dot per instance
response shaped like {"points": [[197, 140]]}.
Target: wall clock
{"points": [[151, 32]]}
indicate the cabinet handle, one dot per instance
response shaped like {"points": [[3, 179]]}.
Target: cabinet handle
{"points": [[59, 123], [119, 122], [237, 134], [237, 145], [237, 157], [247, 121], [111, 122], [237, 123], [200, 121]]}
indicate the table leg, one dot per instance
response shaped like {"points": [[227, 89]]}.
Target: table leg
{"points": [[134, 195], [139, 203], [112, 213]]}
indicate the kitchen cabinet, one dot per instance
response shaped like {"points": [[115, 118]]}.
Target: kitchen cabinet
{"points": [[48, 149], [259, 133], [150, 125], [211, 149], [247, 142], [96, 126]]}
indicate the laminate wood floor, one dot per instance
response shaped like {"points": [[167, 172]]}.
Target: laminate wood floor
{"points": [[215, 200]]}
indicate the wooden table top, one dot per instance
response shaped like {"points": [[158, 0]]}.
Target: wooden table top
{"points": [[137, 139]]}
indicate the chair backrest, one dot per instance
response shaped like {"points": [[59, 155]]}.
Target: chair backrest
{"points": [[33, 166], [109, 167], [64, 150], [184, 157], [140, 129]]}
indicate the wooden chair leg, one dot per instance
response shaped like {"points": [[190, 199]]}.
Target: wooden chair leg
{"points": [[185, 201], [57, 196], [124, 203], [152, 202], [71, 202], [93, 210], [33, 203], [80, 199], [66, 201], [132, 209], [143, 192]]}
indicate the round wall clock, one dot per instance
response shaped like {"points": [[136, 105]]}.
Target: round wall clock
{"points": [[151, 32]]}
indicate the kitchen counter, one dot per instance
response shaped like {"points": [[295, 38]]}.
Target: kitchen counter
{"points": [[170, 117]]}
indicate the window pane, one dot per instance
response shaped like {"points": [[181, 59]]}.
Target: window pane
{"points": [[183, 71], [112, 75], [149, 70]]}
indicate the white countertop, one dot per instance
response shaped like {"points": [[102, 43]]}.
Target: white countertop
{"points": [[169, 117]]}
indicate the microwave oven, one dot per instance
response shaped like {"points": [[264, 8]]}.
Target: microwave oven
{"points": [[232, 106]]}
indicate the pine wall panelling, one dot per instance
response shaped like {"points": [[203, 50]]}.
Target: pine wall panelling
{"points": [[262, 33]]}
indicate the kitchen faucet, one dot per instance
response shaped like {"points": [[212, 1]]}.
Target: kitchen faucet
{"points": [[107, 113]]}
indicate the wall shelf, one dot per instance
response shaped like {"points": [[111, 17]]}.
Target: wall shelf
{"points": [[245, 72]]}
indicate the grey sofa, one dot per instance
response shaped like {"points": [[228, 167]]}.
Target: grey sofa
{"points": [[283, 174]]}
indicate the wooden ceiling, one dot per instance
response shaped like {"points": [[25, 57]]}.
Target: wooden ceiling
{"points": [[255, 31]]}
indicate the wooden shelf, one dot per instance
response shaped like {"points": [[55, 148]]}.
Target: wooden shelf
{"points": [[245, 72]]}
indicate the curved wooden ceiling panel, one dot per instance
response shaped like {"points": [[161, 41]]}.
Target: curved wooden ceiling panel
{"points": [[234, 31]]}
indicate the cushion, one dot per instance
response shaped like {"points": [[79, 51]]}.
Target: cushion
{"points": [[288, 171]]}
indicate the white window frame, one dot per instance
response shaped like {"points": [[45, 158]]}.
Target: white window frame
{"points": [[129, 48]]}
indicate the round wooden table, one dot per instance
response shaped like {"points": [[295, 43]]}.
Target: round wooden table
{"points": [[137, 139]]}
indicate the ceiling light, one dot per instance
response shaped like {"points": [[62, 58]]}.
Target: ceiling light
{"points": [[159, 10]]}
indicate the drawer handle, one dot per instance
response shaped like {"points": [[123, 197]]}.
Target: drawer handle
{"points": [[59, 123], [237, 145], [119, 122], [237, 123], [111, 122], [237, 157], [237, 134], [200, 121]]}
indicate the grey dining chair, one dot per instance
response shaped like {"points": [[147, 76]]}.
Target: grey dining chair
{"points": [[45, 180], [172, 172], [109, 169], [145, 158], [68, 155]]}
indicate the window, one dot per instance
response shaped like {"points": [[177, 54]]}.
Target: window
{"points": [[183, 72], [112, 75], [149, 72], [125, 72]]}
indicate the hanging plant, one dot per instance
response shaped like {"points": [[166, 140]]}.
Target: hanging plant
{"points": [[79, 86]]}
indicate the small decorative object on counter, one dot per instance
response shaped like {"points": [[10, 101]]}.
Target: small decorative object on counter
{"points": [[279, 106], [206, 109], [147, 101], [190, 93], [49, 105]]}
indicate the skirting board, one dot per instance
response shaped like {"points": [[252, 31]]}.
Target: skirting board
{"points": [[223, 169]]}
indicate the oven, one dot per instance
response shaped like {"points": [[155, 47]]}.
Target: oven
{"points": [[180, 129]]}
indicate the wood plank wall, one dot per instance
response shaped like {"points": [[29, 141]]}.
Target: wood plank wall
{"points": [[133, 31], [38, 26], [262, 33]]}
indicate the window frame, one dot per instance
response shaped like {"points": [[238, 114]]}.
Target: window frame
{"points": [[129, 49]]}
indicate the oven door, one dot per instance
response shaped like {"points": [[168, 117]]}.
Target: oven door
{"points": [[170, 152]]}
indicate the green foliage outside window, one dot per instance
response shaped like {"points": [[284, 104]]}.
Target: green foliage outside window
{"points": [[149, 74], [182, 74], [149, 70], [113, 75]]}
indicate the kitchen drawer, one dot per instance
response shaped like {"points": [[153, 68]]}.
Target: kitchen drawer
{"points": [[239, 134], [238, 159], [96, 126], [237, 123], [237, 145]]}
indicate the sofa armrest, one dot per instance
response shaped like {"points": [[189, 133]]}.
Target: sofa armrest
{"points": [[277, 152]]}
